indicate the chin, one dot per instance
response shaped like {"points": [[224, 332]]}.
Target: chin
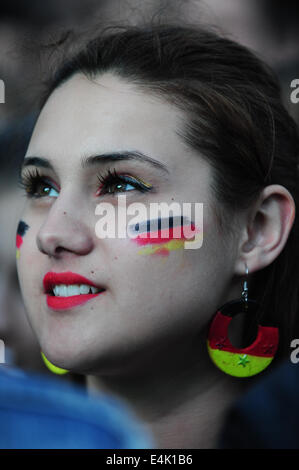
{"points": [[89, 355], [71, 357], [60, 354]]}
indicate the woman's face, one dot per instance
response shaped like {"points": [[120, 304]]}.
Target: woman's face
{"points": [[156, 295]]}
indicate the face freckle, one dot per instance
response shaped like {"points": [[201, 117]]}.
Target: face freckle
{"points": [[21, 231]]}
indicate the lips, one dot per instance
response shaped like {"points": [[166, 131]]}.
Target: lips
{"points": [[68, 278]]}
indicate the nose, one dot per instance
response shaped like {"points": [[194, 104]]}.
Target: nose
{"points": [[64, 230]]}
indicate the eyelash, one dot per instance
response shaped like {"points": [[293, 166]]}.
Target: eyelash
{"points": [[29, 182], [113, 178]]}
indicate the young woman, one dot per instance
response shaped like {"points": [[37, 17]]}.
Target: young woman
{"points": [[161, 114]]}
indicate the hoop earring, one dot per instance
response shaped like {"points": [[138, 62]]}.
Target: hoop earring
{"points": [[54, 369], [241, 362]]}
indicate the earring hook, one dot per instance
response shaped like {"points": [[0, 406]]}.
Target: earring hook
{"points": [[245, 288]]}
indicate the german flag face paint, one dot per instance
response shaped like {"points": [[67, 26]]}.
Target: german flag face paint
{"points": [[162, 235], [239, 362], [21, 230]]}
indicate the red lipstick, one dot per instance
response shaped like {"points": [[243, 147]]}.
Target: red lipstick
{"points": [[68, 278]]}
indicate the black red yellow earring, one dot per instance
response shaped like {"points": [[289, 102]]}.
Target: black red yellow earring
{"points": [[54, 369], [241, 362]]}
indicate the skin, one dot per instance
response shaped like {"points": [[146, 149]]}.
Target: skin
{"points": [[145, 338]]}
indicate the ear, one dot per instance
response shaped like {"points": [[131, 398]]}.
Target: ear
{"points": [[266, 233]]}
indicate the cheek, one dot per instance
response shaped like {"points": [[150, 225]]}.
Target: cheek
{"points": [[155, 258], [156, 295], [161, 277], [161, 241], [149, 275], [162, 248]]}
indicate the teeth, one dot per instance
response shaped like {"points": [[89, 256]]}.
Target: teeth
{"points": [[84, 289], [72, 290], [63, 290]]}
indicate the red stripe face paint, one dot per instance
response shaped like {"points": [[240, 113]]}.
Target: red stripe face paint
{"points": [[21, 230], [162, 235]]}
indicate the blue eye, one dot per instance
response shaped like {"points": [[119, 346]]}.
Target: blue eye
{"points": [[37, 186], [130, 187], [116, 183], [51, 192], [124, 187]]}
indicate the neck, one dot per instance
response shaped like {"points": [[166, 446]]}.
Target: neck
{"points": [[178, 393]]}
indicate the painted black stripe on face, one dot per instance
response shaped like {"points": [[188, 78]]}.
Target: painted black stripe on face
{"points": [[160, 224], [22, 228]]}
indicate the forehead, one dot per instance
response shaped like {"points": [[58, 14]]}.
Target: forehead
{"points": [[105, 113]]}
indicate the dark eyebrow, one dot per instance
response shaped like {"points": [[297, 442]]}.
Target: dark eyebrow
{"points": [[36, 161], [99, 159]]}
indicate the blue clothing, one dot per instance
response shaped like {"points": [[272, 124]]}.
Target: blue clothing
{"points": [[41, 413], [267, 416]]}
